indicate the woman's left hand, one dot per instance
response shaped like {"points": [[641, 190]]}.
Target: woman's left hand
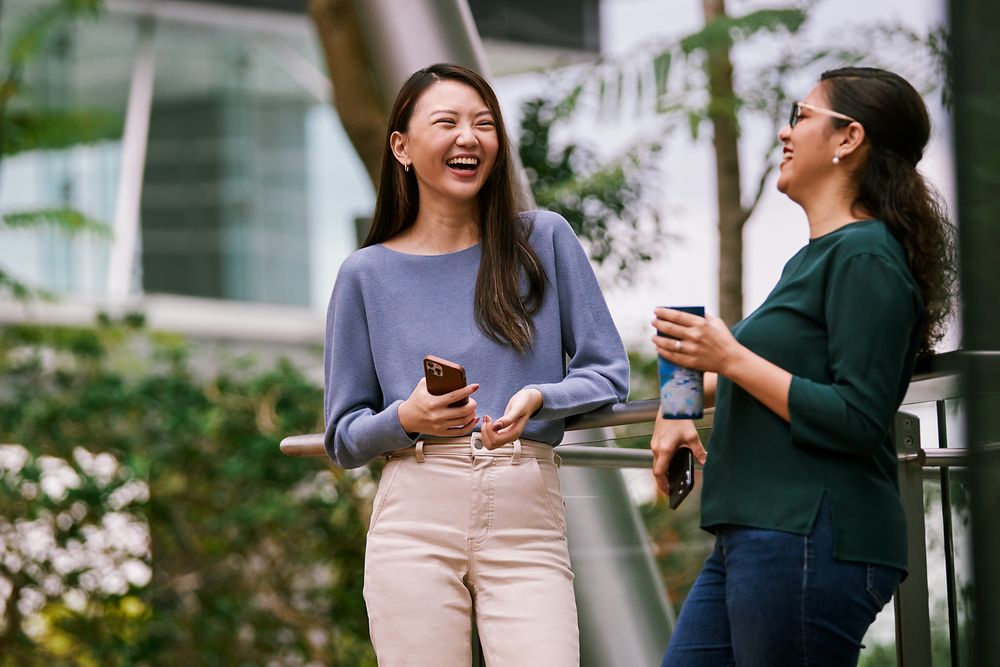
{"points": [[703, 343], [509, 427]]}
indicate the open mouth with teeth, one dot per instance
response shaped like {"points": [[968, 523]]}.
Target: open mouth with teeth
{"points": [[464, 163]]}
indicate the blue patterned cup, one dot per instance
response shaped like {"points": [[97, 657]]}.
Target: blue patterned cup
{"points": [[681, 391]]}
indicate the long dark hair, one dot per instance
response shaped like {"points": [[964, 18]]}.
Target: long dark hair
{"points": [[898, 127], [502, 311]]}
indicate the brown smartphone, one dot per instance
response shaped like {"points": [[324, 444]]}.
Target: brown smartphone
{"points": [[443, 377], [680, 476]]}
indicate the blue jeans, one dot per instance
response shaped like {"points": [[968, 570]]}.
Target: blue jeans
{"points": [[768, 598]]}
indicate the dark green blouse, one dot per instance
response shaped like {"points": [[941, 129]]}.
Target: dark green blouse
{"points": [[845, 319]]}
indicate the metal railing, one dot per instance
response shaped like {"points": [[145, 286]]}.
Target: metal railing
{"points": [[936, 381]]}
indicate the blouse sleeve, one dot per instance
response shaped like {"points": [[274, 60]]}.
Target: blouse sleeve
{"points": [[597, 370], [358, 426], [872, 310]]}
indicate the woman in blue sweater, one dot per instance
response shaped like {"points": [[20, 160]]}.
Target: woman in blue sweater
{"points": [[469, 518], [800, 482]]}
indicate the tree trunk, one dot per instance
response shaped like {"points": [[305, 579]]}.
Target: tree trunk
{"points": [[722, 114], [357, 101]]}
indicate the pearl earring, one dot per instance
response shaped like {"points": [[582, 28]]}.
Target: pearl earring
{"points": [[836, 157]]}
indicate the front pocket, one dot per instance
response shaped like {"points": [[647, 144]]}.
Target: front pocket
{"points": [[882, 582], [551, 492], [384, 489]]}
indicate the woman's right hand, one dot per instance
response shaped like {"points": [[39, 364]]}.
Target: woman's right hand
{"points": [[423, 412], [668, 435]]}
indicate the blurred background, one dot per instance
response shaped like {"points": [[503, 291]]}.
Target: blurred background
{"points": [[179, 183]]}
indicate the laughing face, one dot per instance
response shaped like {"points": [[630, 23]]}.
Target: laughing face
{"points": [[451, 143], [808, 148]]}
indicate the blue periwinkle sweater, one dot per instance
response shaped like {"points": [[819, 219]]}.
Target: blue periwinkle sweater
{"points": [[389, 309]]}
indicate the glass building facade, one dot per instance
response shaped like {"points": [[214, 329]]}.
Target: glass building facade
{"points": [[250, 187], [251, 191]]}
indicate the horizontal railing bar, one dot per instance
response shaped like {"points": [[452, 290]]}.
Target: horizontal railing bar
{"points": [[934, 379], [617, 457], [623, 414], [585, 456], [592, 456]]}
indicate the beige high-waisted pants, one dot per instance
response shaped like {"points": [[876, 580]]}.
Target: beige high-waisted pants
{"points": [[456, 528]]}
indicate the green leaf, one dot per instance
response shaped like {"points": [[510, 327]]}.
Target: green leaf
{"points": [[52, 129], [661, 70], [20, 291], [724, 30], [31, 34], [694, 123], [66, 219]]}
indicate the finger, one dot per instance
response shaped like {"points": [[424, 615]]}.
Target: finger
{"points": [[667, 348], [678, 317], [459, 394], [465, 428], [700, 454], [667, 328], [487, 432], [661, 483], [511, 431], [460, 412], [458, 422], [500, 441], [665, 345], [660, 462]]}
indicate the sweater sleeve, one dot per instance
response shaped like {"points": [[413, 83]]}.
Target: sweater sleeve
{"points": [[358, 426], [597, 370], [871, 312]]}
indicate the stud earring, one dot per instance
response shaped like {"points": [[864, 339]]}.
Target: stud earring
{"points": [[836, 157]]}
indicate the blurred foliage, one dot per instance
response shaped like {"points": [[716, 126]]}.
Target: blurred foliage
{"points": [[255, 558], [733, 71], [668, 76], [610, 204], [27, 126]]}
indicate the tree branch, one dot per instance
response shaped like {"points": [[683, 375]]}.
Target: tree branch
{"points": [[761, 185], [357, 101]]}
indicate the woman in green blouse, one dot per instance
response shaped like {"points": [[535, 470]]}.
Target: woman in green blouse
{"points": [[800, 482]]}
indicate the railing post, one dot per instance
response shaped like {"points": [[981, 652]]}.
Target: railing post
{"points": [[913, 621]]}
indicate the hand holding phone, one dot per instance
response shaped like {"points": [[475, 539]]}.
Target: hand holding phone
{"points": [[423, 412], [680, 476]]}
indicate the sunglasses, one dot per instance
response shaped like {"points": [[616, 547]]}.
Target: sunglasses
{"points": [[797, 107]]}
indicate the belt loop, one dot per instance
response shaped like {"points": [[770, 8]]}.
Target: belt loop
{"points": [[516, 456], [420, 451], [476, 445]]}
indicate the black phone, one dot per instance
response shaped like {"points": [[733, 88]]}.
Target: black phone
{"points": [[680, 476]]}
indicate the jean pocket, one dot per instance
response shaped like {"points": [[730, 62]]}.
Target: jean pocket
{"points": [[551, 492], [384, 489], [882, 583]]}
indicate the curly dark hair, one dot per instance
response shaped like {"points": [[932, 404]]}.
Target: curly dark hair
{"points": [[897, 128]]}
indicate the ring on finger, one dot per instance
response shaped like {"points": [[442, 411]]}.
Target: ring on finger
{"points": [[677, 346]]}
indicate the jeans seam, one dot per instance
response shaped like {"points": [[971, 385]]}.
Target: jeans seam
{"points": [[553, 514], [377, 510], [873, 592], [802, 601]]}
